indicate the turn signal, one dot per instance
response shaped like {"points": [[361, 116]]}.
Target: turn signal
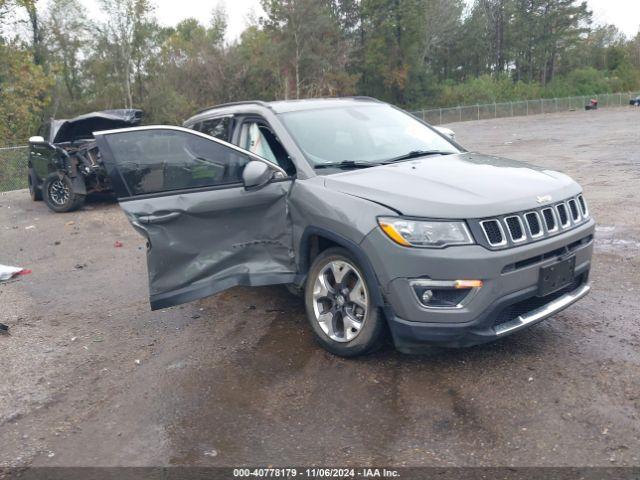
{"points": [[393, 234], [467, 284]]}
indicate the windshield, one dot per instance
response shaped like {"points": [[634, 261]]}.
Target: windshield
{"points": [[363, 133]]}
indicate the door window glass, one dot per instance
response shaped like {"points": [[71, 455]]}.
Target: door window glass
{"points": [[160, 160], [216, 127], [259, 139], [256, 142]]}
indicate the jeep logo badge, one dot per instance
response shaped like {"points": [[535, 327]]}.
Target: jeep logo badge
{"points": [[543, 198]]}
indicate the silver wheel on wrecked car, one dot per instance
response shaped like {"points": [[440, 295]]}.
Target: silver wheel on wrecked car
{"points": [[340, 301], [339, 305]]}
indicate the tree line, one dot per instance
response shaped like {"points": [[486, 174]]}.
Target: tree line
{"points": [[56, 62]]}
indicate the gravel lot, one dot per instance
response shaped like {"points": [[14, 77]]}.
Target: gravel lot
{"points": [[237, 379]]}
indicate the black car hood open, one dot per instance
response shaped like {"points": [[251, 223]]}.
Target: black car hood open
{"points": [[82, 127]]}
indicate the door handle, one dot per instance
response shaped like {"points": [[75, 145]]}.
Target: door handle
{"points": [[147, 219]]}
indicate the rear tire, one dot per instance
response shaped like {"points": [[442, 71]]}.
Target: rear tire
{"points": [[342, 314], [58, 194], [34, 191]]}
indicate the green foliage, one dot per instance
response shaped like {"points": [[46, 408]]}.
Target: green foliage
{"points": [[415, 53], [583, 81], [487, 89], [307, 48], [24, 89]]}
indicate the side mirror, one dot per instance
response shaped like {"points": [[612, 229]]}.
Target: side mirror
{"points": [[447, 132], [36, 139], [256, 174]]}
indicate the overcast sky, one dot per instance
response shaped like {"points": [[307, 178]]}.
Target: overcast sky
{"points": [[625, 14]]}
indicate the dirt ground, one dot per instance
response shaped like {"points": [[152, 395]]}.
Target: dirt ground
{"points": [[90, 376]]}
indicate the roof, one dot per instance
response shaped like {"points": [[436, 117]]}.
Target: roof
{"points": [[284, 106]]}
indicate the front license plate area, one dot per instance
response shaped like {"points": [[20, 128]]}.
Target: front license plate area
{"points": [[557, 276]]}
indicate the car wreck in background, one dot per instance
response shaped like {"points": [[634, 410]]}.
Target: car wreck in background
{"points": [[65, 164]]}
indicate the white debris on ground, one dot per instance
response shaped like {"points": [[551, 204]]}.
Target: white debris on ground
{"points": [[6, 272]]}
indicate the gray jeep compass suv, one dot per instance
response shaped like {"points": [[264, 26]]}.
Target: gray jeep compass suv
{"points": [[378, 218]]}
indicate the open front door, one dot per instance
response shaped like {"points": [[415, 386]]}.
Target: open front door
{"points": [[183, 191]]}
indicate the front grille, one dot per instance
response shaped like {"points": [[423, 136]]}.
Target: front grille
{"points": [[522, 227], [574, 210], [516, 230], [533, 220], [493, 232], [562, 213], [549, 219]]}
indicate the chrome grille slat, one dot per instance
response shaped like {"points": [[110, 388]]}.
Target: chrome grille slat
{"points": [[516, 230], [563, 215], [573, 209], [583, 206], [494, 233], [534, 224], [550, 221]]}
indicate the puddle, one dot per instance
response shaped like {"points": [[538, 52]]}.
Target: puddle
{"points": [[617, 238]]}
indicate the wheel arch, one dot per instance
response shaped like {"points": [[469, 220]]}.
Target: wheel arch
{"points": [[314, 240]]}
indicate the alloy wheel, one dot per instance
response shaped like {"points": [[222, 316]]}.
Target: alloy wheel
{"points": [[340, 300], [59, 192]]}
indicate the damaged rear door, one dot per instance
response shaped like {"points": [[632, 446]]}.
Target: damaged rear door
{"points": [[184, 191]]}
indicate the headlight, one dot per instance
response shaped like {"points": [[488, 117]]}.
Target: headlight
{"points": [[425, 233]]}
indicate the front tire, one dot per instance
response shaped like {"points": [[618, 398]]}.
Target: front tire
{"points": [[34, 192], [339, 306], [58, 194]]}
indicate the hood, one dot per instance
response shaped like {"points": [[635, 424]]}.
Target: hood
{"points": [[82, 127], [467, 185]]}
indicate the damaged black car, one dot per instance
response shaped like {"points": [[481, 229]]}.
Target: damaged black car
{"points": [[65, 164]]}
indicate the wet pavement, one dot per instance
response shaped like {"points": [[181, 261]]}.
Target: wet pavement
{"points": [[92, 377]]}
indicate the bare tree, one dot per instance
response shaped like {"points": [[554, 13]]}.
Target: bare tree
{"points": [[126, 19], [37, 35], [66, 35], [441, 26], [496, 14]]}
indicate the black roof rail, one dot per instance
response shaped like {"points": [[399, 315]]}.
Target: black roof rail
{"points": [[266, 104], [231, 104]]}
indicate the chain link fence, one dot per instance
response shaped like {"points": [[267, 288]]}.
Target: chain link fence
{"points": [[13, 168], [437, 116]]}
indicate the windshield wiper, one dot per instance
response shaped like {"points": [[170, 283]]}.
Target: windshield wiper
{"points": [[415, 154], [359, 164], [346, 164]]}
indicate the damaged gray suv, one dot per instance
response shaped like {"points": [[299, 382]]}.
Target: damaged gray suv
{"points": [[382, 221]]}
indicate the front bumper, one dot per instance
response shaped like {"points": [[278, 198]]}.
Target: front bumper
{"points": [[410, 337], [506, 303]]}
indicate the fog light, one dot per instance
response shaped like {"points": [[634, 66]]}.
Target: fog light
{"points": [[427, 295], [445, 293]]}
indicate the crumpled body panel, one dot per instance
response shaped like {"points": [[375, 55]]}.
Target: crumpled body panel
{"points": [[210, 247]]}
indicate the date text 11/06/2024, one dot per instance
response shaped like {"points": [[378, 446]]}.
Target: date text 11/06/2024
{"points": [[316, 472]]}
